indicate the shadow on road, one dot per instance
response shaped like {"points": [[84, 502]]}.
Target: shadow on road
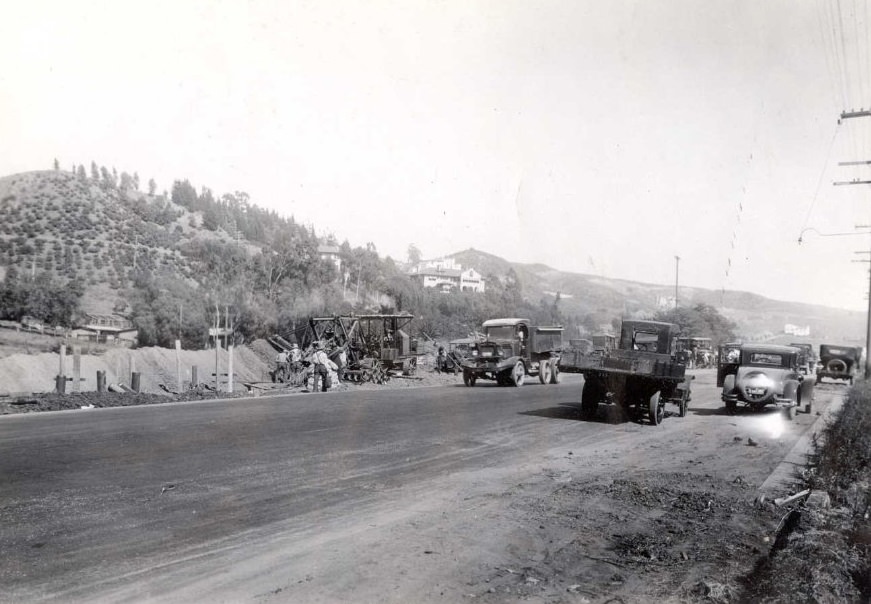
{"points": [[605, 414]]}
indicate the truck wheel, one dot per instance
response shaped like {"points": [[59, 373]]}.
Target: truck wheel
{"points": [[731, 407], [684, 403], [469, 378], [544, 370], [517, 374], [790, 412], [555, 377], [655, 410], [590, 396]]}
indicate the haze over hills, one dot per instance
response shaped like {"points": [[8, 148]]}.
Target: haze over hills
{"points": [[755, 315], [102, 231]]}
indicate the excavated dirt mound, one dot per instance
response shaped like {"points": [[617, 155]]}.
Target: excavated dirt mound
{"points": [[27, 381]]}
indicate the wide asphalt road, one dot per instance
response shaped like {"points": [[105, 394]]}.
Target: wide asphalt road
{"points": [[91, 499]]}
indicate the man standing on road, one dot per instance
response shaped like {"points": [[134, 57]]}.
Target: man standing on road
{"points": [[295, 357], [281, 366], [341, 362], [320, 361]]}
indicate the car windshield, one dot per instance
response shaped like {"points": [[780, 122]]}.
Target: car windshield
{"points": [[501, 332], [764, 359]]}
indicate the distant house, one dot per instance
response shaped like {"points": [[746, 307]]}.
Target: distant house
{"points": [[446, 275], [797, 330], [330, 253], [107, 328]]}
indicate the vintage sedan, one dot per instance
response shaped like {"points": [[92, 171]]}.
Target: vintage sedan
{"points": [[768, 375]]}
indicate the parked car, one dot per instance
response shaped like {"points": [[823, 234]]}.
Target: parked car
{"points": [[768, 374], [838, 362]]}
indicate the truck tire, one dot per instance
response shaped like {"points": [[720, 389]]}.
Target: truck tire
{"points": [[590, 396], [655, 410], [836, 366], [544, 370], [469, 378], [555, 377], [517, 374], [684, 402]]}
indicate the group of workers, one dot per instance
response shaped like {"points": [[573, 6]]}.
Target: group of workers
{"points": [[291, 363]]}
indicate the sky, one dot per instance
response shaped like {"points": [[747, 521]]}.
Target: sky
{"points": [[601, 137]]}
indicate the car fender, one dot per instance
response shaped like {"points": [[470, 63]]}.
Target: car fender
{"points": [[729, 386], [790, 390], [806, 391]]}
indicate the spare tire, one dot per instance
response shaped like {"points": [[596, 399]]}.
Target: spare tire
{"points": [[836, 366]]}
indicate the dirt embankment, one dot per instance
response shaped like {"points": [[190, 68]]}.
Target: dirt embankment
{"points": [[27, 377]]}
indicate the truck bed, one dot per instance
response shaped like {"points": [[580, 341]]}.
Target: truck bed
{"points": [[624, 362]]}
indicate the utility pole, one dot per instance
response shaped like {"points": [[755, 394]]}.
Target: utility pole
{"points": [[848, 115], [676, 273]]}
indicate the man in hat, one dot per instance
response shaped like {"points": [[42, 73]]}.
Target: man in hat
{"points": [[295, 357], [281, 366], [319, 362]]}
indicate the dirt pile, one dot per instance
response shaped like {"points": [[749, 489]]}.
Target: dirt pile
{"points": [[34, 373], [27, 381]]}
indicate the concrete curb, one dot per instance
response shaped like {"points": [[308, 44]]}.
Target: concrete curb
{"points": [[782, 477]]}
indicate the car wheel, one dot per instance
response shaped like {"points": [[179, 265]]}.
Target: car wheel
{"points": [[544, 370], [655, 410], [790, 412], [517, 374], [731, 407], [468, 378]]}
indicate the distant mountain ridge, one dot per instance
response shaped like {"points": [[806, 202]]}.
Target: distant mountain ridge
{"points": [[755, 315]]}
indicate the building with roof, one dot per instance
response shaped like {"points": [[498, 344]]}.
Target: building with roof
{"points": [[330, 253], [104, 328], [447, 276]]}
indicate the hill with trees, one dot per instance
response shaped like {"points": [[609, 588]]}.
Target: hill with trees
{"points": [[90, 240]]}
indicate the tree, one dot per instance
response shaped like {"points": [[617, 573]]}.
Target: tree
{"points": [[152, 186], [95, 171], [56, 165], [701, 320], [414, 255]]}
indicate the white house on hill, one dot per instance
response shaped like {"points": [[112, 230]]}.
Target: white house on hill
{"points": [[446, 275]]}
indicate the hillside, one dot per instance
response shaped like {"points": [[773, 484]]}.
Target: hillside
{"points": [[583, 294], [164, 253], [74, 228]]}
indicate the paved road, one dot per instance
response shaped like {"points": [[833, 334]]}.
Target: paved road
{"points": [[90, 500]]}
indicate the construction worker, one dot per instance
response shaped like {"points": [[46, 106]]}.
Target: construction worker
{"points": [[320, 363], [295, 357], [281, 366], [341, 362], [441, 360]]}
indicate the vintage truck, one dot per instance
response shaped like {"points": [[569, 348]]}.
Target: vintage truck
{"points": [[838, 362], [513, 349], [642, 374]]}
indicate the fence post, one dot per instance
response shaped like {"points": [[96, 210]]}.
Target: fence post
{"points": [[77, 368], [230, 368], [134, 381]]}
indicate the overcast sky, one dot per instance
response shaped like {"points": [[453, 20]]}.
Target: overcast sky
{"points": [[600, 137]]}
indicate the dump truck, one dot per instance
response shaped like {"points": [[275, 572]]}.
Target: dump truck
{"points": [[641, 375], [511, 351]]}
